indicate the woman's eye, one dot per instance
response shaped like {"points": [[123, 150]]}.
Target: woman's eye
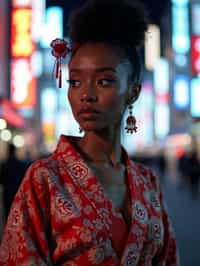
{"points": [[106, 82], [74, 82]]}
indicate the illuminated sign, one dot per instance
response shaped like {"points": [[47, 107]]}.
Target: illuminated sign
{"points": [[181, 60], [53, 25], [180, 2], [195, 53], [161, 111], [23, 84], [9, 113], [38, 9], [22, 44], [21, 3], [48, 114], [195, 10], [181, 92], [152, 46], [23, 81], [48, 111], [37, 63], [162, 116], [38, 12], [161, 76], [145, 113], [195, 96], [180, 29]]}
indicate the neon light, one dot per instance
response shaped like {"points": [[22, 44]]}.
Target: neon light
{"points": [[53, 27], [161, 84], [38, 12], [181, 60], [195, 96], [152, 47], [48, 111], [181, 92], [195, 53], [161, 76], [37, 63], [22, 45], [10, 115], [180, 29], [48, 115], [21, 3], [195, 18], [180, 2], [162, 116], [23, 84]]}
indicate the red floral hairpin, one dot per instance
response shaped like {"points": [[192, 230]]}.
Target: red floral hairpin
{"points": [[59, 50]]}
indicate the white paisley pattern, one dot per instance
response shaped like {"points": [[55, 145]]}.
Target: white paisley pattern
{"points": [[140, 212], [61, 216]]}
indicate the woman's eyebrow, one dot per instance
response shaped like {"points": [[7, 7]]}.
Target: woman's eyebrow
{"points": [[100, 69], [103, 69]]}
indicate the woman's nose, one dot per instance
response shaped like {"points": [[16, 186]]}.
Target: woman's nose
{"points": [[89, 94]]}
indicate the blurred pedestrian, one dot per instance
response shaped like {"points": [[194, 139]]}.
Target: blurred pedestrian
{"points": [[12, 171], [161, 165], [88, 203], [193, 172], [182, 165]]}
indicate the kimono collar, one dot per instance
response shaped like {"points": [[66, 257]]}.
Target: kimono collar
{"points": [[65, 147]]}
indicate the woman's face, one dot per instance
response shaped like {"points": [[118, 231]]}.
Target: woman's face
{"points": [[98, 86]]}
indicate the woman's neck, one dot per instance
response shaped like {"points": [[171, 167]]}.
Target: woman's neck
{"points": [[102, 146]]}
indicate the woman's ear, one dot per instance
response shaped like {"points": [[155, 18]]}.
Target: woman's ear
{"points": [[134, 92]]}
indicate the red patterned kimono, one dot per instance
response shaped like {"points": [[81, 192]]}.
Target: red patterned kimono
{"points": [[61, 215]]}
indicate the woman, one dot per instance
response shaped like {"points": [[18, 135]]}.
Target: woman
{"points": [[88, 204]]}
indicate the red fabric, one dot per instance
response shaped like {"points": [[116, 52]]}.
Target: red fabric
{"points": [[62, 216]]}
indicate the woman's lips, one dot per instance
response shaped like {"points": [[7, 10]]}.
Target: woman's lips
{"points": [[88, 113]]}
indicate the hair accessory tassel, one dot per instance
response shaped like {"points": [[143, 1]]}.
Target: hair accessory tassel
{"points": [[59, 51], [60, 77], [57, 68]]}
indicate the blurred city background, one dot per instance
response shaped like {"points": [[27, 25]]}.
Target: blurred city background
{"points": [[34, 112]]}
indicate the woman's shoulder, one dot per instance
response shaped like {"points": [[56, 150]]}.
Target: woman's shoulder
{"points": [[145, 173], [41, 170], [140, 168]]}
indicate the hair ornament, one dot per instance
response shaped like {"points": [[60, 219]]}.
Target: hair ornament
{"points": [[59, 51]]}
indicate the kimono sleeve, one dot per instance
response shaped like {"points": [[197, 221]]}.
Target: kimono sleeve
{"points": [[24, 240], [168, 255]]}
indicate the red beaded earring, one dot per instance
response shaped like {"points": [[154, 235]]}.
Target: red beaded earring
{"points": [[131, 121], [59, 51]]}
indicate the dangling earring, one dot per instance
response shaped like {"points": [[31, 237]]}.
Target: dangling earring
{"points": [[131, 121]]}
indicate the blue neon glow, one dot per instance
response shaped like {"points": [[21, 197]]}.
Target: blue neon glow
{"points": [[162, 120], [161, 76], [181, 60], [180, 2], [48, 105], [53, 27], [180, 29], [181, 92], [195, 18], [195, 96]]}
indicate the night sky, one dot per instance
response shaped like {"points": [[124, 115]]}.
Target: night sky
{"points": [[155, 8]]}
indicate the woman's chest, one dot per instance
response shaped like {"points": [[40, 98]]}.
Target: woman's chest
{"points": [[88, 227], [117, 194], [88, 209]]}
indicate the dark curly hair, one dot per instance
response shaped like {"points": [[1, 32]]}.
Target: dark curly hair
{"points": [[121, 23]]}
